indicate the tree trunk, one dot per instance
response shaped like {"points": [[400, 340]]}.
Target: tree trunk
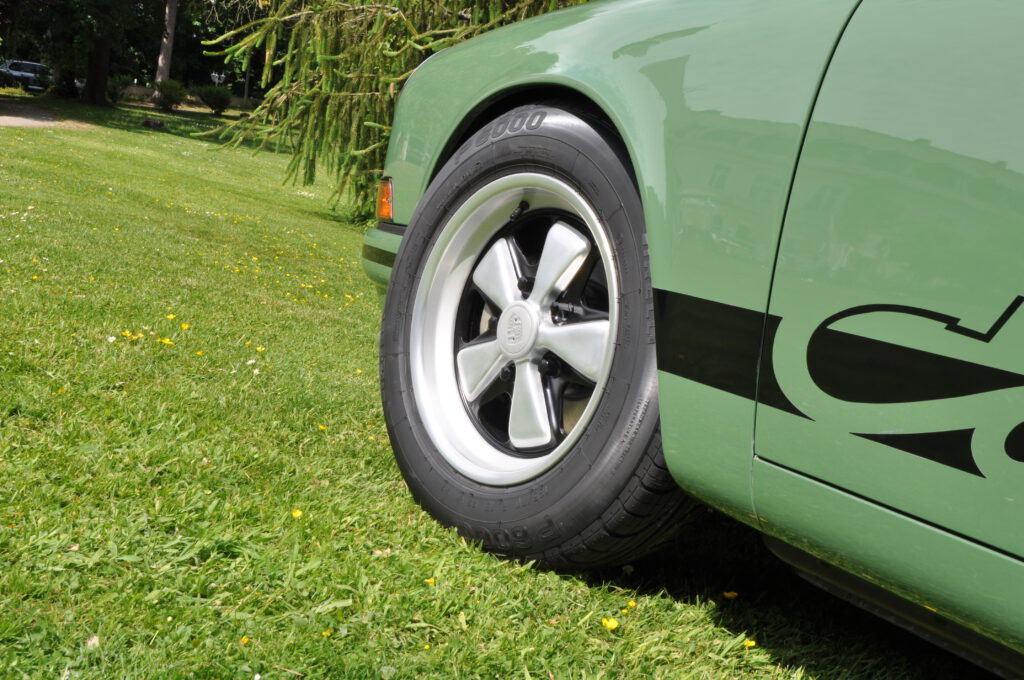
{"points": [[245, 92], [9, 19], [163, 62], [95, 91]]}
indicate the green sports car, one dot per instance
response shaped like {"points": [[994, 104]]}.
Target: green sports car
{"points": [[769, 253]]}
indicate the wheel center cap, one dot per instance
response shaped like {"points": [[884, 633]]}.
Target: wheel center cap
{"points": [[517, 330]]}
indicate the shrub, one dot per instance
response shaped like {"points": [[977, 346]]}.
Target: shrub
{"points": [[217, 97], [116, 87], [169, 94]]}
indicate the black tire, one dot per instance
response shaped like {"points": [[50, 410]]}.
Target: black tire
{"points": [[590, 488]]}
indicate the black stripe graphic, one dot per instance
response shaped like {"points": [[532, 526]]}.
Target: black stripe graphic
{"points": [[717, 345], [855, 368], [1015, 444], [952, 448]]}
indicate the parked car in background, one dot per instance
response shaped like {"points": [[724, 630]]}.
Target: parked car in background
{"points": [[30, 75], [767, 252]]}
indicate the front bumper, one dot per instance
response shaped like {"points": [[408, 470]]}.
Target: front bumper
{"points": [[380, 245]]}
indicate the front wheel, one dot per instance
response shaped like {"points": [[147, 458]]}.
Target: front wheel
{"points": [[517, 357]]}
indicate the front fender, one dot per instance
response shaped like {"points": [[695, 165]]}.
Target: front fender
{"points": [[711, 98]]}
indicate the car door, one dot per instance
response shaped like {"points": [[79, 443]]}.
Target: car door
{"points": [[896, 300]]}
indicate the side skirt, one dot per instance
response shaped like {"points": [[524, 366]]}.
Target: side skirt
{"points": [[938, 630]]}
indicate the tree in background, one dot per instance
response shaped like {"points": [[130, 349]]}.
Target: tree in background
{"points": [[91, 40], [163, 61], [333, 88], [80, 37]]}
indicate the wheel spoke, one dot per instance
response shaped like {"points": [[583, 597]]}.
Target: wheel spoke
{"points": [[565, 250], [528, 423], [496, 276], [581, 345], [479, 365]]}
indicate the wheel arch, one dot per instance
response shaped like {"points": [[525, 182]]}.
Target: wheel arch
{"points": [[508, 99]]}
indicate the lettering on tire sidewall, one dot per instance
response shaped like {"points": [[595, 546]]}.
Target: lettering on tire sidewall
{"points": [[518, 121], [521, 537]]}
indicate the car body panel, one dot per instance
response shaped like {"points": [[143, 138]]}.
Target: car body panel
{"points": [[947, 574], [899, 280], [378, 257], [713, 99]]}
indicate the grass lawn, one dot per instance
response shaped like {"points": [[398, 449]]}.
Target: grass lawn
{"points": [[195, 478]]}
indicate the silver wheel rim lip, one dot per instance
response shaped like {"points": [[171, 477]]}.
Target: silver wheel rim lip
{"points": [[446, 273]]}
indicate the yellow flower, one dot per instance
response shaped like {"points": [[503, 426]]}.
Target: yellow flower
{"points": [[184, 326], [429, 581], [609, 623], [199, 353], [632, 603], [749, 643], [321, 427], [244, 640], [624, 611], [170, 316], [326, 633], [296, 513], [730, 595], [166, 341], [260, 349], [425, 647]]}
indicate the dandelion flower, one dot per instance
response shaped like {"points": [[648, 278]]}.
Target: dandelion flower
{"points": [[296, 513], [429, 581], [171, 316], [750, 643], [165, 341], [327, 633], [609, 623], [260, 349], [184, 326], [624, 611], [244, 640], [321, 427], [199, 353], [632, 603], [426, 647]]}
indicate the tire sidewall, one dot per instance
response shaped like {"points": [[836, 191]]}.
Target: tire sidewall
{"points": [[528, 518]]}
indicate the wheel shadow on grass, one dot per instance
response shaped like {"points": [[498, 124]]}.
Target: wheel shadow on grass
{"points": [[796, 623]]}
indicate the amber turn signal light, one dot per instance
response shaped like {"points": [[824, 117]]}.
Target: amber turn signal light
{"points": [[385, 200]]}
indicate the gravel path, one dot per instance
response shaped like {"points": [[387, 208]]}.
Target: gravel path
{"points": [[15, 113]]}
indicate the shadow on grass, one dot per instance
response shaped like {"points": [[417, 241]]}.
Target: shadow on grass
{"points": [[128, 116], [798, 624]]}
